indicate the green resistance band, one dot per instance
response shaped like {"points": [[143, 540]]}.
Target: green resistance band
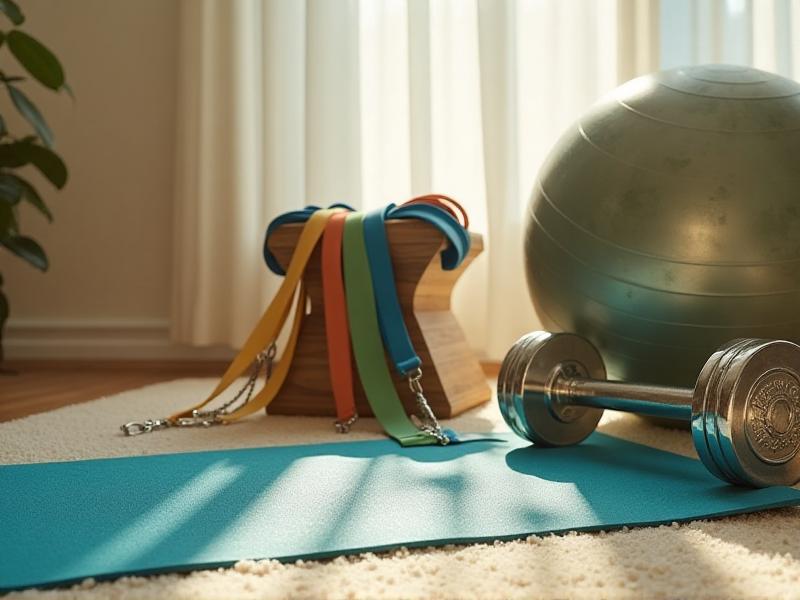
{"points": [[367, 342]]}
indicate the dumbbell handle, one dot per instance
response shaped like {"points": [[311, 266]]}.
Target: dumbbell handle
{"points": [[639, 398]]}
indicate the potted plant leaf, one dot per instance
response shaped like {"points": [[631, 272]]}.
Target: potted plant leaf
{"points": [[33, 149]]}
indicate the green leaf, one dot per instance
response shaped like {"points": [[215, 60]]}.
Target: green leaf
{"points": [[36, 58], [27, 249], [25, 151], [6, 217], [12, 11], [49, 164], [8, 220], [3, 130], [32, 115], [30, 194], [2, 39], [14, 188], [10, 189], [10, 155]]}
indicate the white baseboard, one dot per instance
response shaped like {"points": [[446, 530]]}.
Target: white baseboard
{"points": [[98, 339]]}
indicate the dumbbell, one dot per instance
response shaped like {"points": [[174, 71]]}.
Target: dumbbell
{"points": [[744, 410]]}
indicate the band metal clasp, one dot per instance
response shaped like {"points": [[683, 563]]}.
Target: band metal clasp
{"points": [[146, 426], [428, 421]]}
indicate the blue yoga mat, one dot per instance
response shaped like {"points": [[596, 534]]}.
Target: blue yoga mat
{"points": [[61, 522]]}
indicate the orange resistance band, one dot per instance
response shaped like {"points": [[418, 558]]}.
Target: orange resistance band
{"points": [[445, 203], [336, 325]]}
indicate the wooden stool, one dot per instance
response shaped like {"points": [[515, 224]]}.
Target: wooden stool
{"points": [[452, 377]]}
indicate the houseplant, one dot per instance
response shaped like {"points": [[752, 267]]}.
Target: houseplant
{"points": [[34, 149]]}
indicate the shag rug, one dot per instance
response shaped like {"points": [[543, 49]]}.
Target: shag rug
{"points": [[749, 556]]}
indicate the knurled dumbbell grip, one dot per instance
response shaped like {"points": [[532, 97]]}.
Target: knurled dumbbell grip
{"points": [[639, 398]]}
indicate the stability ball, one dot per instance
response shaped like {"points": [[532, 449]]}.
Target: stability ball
{"points": [[666, 221]]}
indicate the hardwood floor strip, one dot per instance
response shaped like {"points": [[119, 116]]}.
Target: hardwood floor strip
{"points": [[46, 385]]}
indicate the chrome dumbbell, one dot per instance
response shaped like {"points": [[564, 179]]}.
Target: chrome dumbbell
{"points": [[744, 410]]}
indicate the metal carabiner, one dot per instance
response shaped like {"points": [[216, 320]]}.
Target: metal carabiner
{"points": [[204, 420], [146, 426], [428, 423]]}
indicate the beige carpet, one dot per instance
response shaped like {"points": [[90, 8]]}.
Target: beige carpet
{"points": [[753, 556]]}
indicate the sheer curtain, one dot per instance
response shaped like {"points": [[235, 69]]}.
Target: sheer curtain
{"points": [[763, 34], [287, 102]]}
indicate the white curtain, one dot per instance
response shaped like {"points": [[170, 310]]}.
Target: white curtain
{"points": [[287, 102], [761, 33]]}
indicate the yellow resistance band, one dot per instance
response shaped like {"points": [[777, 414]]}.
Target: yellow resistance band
{"points": [[270, 326]]}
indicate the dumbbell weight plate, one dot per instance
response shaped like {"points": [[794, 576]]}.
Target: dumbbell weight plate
{"points": [[760, 424], [722, 400], [717, 396], [700, 414], [508, 374], [534, 411], [501, 382], [511, 382], [514, 392], [505, 377]]}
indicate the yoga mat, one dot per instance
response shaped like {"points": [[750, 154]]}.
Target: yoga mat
{"points": [[61, 522]]}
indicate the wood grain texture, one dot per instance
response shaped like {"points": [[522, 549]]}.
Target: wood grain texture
{"points": [[452, 376]]}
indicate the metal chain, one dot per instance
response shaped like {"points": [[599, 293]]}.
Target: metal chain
{"points": [[428, 423], [206, 418], [344, 426]]}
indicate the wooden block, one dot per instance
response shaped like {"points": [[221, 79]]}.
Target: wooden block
{"points": [[452, 377]]}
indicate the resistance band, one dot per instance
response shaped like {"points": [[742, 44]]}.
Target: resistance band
{"points": [[390, 316], [293, 216], [337, 337], [445, 203], [441, 211], [362, 295], [336, 327], [271, 324], [366, 338], [262, 337], [436, 209]]}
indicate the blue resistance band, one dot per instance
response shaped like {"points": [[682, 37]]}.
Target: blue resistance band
{"points": [[294, 216], [390, 316]]}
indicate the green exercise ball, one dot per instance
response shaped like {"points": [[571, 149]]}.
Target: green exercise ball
{"points": [[666, 221]]}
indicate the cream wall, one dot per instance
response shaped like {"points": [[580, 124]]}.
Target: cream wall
{"points": [[108, 288]]}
